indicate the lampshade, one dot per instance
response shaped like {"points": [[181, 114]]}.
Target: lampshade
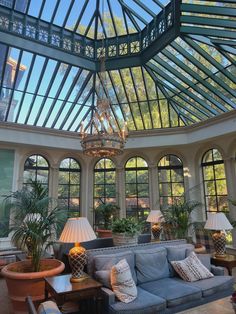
{"points": [[77, 230], [217, 221], [154, 216]]}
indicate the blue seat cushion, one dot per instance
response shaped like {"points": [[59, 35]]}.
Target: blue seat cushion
{"points": [[174, 291], [145, 303], [212, 285]]}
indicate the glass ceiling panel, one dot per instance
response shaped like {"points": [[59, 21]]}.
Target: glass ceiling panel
{"points": [[190, 80]]}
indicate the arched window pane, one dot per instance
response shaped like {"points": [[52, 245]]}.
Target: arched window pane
{"points": [[69, 186], [171, 180], [36, 168], [137, 188], [104, 183], [215, 189]]}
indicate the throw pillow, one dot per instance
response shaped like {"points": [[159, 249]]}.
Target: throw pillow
{"points": [[122, 282], [191, 269], [104, 263]]}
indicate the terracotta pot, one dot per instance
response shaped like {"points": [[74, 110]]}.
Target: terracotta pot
{"points": [[21, 283], [104, 233]]}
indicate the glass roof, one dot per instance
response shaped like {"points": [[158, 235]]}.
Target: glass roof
{"points": [[192, 78]]}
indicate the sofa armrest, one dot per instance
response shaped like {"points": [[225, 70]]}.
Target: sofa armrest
{"points": [[217, 270], [108, 295]]}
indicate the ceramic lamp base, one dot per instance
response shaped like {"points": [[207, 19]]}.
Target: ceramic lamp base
{"points": [[219, 241], [77, 260], [156, 231]]}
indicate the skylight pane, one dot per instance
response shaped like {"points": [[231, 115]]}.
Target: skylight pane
{"points": [[48, 10], [61, 12], [74, 14], [35, 6]]}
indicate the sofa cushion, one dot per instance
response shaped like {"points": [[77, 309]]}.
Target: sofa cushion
{"points": [[212, 285], [176, 253], [145, 303], [191, 268], [173, 291], [104, 263], [122, 282], [151, 264], [205, 260]]}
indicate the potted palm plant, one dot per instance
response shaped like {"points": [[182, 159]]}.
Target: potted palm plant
{"points": [[105, 213], [126, 230], [177, 218], [33, 226]]}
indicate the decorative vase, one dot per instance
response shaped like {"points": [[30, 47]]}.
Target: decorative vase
{"points": [[124, 239], [21, 282]]}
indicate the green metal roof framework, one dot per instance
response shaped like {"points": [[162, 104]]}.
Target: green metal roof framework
{"points": [[169, 63]]}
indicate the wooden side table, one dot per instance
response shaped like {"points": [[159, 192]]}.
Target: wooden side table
{"points": [[228, 261], [62, 290]]}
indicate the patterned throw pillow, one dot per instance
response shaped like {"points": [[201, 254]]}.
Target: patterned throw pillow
{"points": [[191, 268], [122, 282]]}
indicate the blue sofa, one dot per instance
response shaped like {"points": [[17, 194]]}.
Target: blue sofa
{"points": [[160, 289]]}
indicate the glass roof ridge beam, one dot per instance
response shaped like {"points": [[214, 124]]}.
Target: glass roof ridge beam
{"points": [[203, 68], [207, 9], [190, 83], [209, 58], [182, 89], [161, 85], [210, 32], [188, 19], [178, 104], [199, 79]]}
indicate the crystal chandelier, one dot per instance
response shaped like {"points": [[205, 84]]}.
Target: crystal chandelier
{"points": [[103, 137]]}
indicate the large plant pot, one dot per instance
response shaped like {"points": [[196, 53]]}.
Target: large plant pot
{"points": [[123, 239], [21, 282], [104, 233]]}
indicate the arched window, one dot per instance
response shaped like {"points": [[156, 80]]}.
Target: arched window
{"points": [[215, 189], [137, 188], [104, 182], [69, 186], [171, 180], [36, 168]]}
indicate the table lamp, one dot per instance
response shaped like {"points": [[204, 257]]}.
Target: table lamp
{"points": [[77, 230], [155, 217], [218, 222]]}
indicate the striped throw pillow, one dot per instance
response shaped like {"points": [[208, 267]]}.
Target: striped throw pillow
{"points": [[122, 282], [191, 268]]}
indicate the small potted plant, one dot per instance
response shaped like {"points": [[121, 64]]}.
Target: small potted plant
{"points": [[126, 230], [33, 227], [105, 213]]}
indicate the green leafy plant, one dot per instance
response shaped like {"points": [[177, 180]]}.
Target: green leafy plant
{"points": [[178, 216], [35, 220], [129, 226], [106, 213]]}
